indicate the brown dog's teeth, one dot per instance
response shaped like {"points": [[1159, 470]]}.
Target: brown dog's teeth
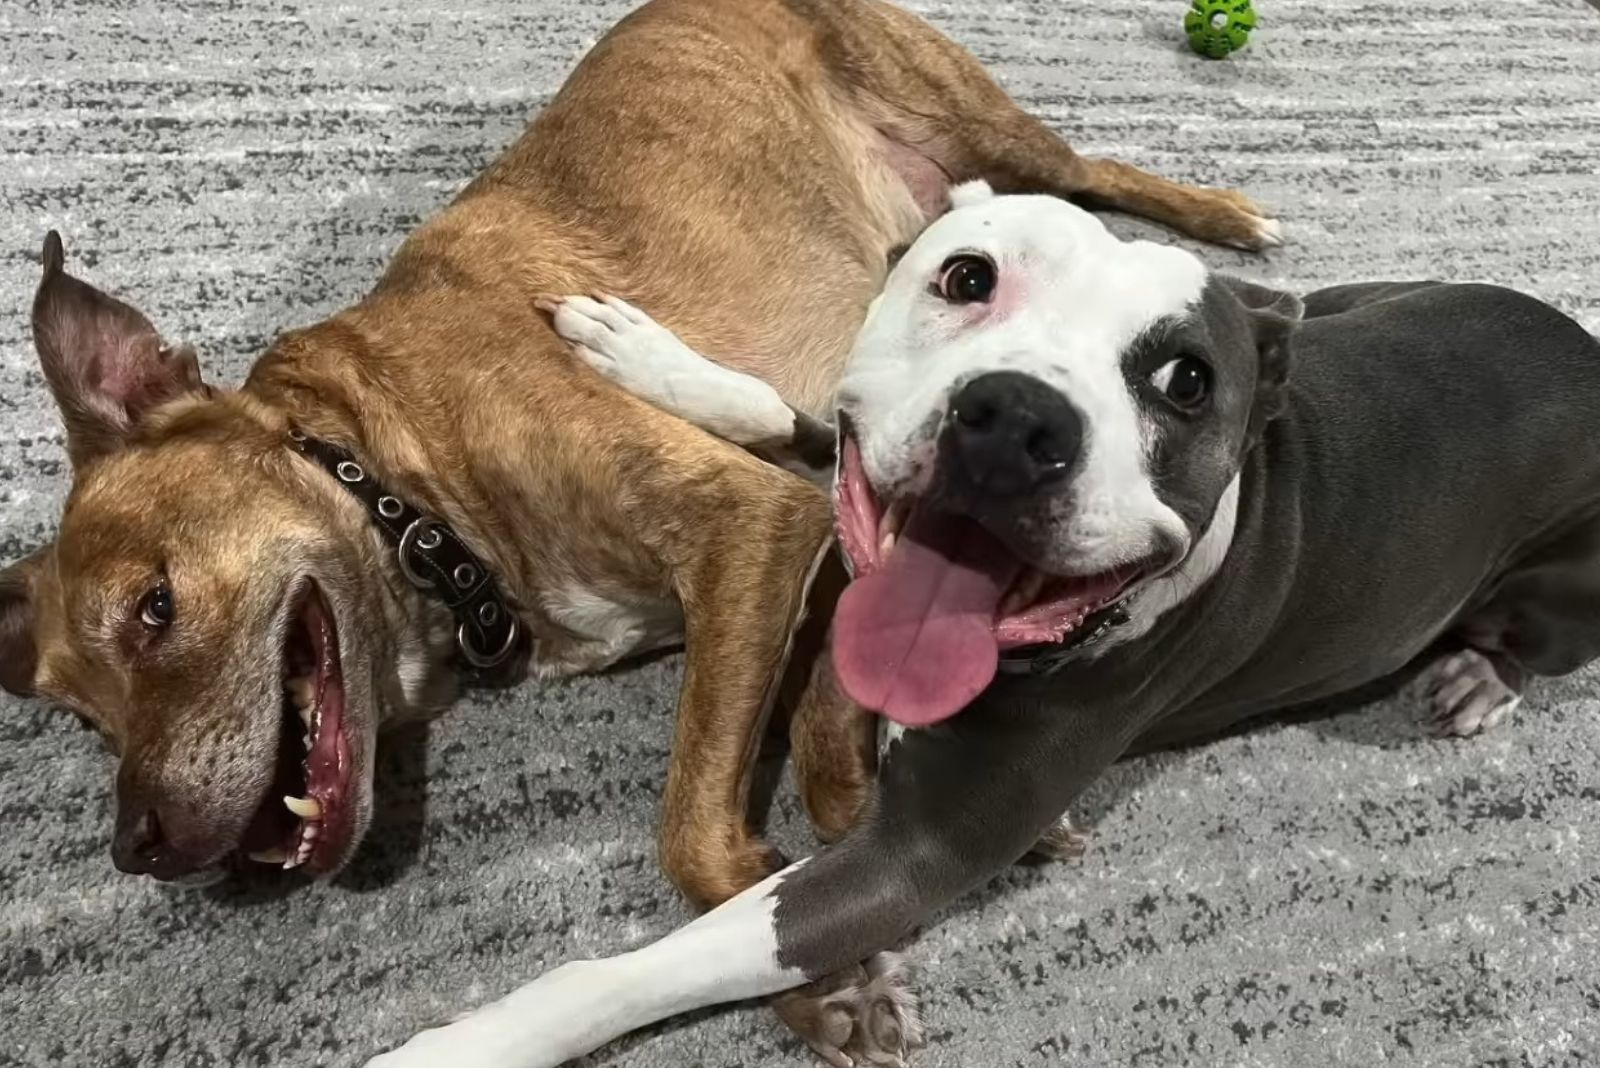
{"points": [[305, 807], [269, 856]]}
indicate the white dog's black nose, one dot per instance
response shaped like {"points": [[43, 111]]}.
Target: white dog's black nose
{"points": [[1011, 434]]}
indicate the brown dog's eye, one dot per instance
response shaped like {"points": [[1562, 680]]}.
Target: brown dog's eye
{"points": [[967, 279], [156, 610]]}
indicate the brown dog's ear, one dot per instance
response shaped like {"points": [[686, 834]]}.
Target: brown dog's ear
{"points": [[1274, 317], [105, 362], [19, 652]]}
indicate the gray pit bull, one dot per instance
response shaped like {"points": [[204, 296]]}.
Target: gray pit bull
{"points": [[1219, 502]]}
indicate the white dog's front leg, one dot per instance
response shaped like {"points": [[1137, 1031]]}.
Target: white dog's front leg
{"points": [[729, 954]]}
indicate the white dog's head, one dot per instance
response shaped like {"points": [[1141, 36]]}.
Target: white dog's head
{"points": [[1038, 420]]}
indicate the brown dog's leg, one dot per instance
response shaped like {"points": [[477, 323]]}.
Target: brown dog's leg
{"points": [[833, 742], [931, 97], [743, 586]]}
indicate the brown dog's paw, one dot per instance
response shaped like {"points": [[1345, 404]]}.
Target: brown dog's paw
{"points": [[863, 1017], [721, 869], [1064, 840], [1465, 695], [1228, 217]]}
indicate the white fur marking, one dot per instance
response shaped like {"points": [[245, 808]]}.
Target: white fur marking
{"points": [[729, 954], [890, 735], [414, 670], [614, 627], [1168, 591], [969, 193]]}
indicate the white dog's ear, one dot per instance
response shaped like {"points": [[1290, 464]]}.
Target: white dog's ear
{"points": [[969, 193]]}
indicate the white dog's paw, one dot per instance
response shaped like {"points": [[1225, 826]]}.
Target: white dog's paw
{"points": [[1465, 695], [652, 363], [626, 345]]}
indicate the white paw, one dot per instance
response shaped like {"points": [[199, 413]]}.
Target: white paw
{"points": [[1465, 695], [628, 347], [1269, 233], [652, 363]]}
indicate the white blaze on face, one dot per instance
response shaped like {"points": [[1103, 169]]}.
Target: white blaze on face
{"points": [[1070, 299]]}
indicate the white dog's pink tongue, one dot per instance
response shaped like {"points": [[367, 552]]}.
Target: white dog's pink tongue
{"points": [[915, 639]]}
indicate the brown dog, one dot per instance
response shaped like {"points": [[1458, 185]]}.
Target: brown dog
{"points": [[226, 566]]}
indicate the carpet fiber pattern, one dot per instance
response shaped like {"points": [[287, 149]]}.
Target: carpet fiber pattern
{"points": [[1347, 892]]}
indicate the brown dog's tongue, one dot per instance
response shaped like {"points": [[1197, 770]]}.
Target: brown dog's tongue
{"points": [[915, 639]]}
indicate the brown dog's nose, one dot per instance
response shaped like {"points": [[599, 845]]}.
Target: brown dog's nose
{"points": [[140, 848]]}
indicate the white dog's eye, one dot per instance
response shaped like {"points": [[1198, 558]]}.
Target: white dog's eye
{"points": [[1186, 381], [967, 278]]}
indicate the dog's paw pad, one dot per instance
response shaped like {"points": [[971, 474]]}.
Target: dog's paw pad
{"points": [[1464, 695], [862, 1017]]}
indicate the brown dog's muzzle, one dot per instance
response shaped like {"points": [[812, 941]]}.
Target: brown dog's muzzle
{"points": [[140, 848], [150, 840], [162, 831]]}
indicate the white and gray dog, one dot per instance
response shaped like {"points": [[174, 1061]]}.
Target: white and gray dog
{"points": [[1089, 508]]}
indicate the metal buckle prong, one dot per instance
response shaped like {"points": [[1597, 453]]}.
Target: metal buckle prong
{"points": [[479, 660]]}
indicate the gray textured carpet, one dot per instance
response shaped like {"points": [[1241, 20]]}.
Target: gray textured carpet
{"points": [[1342, 893]]}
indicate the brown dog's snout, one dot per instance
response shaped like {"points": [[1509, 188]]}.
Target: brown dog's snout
{"points": [[136, 847], [151, 839]]}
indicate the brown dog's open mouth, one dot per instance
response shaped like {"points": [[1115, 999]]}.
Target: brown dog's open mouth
{"points": [[305, 819], [918, 633]]}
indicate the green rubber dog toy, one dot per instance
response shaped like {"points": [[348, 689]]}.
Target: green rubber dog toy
{"points": [[1219, 28]]}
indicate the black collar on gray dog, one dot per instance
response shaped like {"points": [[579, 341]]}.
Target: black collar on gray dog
{"points": [[436, 561], [1047, 659]]}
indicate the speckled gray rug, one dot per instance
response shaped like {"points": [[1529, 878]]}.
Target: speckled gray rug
{"points": [[1340, 893]]}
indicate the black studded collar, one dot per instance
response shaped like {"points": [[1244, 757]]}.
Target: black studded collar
{"points": [[435, 560]]}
